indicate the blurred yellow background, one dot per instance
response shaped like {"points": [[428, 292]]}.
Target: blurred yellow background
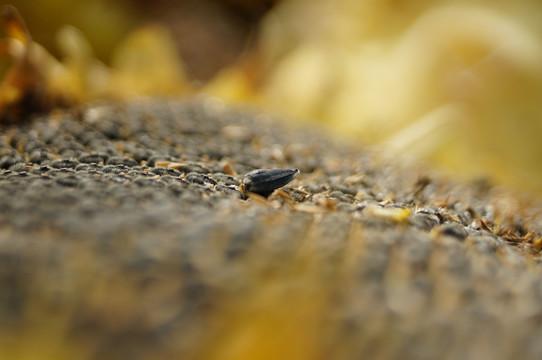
{"points": [[455, 82], [458, 83]]}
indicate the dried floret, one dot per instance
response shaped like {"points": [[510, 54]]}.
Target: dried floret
{"points": [[24, 89]]}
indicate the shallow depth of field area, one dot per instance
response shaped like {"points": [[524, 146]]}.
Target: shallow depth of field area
{"points": [[456, 83]]}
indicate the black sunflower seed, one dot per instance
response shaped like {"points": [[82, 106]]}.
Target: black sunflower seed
{"points": [[264, 182]]}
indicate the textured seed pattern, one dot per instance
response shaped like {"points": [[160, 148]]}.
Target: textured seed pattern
{"points": [[124, 233]]}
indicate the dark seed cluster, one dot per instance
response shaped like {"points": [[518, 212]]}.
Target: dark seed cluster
{"points": [[132, 231]]}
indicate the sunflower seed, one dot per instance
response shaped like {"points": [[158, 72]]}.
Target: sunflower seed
{"points": [[264, 182]]}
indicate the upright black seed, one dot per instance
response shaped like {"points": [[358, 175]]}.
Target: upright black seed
{"points": [[264, 182]]}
